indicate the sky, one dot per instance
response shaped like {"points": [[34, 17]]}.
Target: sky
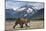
{"points": [[14, 4]]}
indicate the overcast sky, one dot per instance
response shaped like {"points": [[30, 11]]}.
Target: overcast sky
{"points": [[13, 4]]}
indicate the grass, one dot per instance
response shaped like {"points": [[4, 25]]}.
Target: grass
{"points": [[34, 24], [24, 27]]}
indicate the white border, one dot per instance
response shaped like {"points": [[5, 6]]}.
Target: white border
{"points": [[2, 19], [2, 16]]}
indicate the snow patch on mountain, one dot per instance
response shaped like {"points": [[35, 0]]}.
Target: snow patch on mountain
{"points": [[29, 10], [20, 9]]}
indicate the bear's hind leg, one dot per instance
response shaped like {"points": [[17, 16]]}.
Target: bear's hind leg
{"points": [[26, 24], [21, 25]]}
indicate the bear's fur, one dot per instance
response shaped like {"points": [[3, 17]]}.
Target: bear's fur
{"points": [[21, 21]]}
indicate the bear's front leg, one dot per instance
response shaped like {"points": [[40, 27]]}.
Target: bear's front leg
{"points": [[15, 25]]}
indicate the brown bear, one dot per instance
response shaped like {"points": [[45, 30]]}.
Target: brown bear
{"points": [[21, 21]]}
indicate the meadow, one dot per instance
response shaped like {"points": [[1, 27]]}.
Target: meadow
{"points": [[34, 24]]}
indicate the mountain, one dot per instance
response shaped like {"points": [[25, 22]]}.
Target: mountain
{"points": [[28, 10], [10, 13], [24, 11], [39, 14]]}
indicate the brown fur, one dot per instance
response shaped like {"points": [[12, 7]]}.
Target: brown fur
{"points": [[21, 21]]}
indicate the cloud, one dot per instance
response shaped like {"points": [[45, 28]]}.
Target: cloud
{"points": [[10, 4], [14, 4]]}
